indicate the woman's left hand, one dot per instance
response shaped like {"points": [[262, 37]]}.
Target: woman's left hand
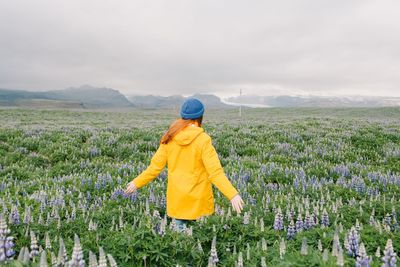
{"points": [[130, 188], [237, 203]]}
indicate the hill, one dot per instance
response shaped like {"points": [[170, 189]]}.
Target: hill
{"points": [[86, 95]]}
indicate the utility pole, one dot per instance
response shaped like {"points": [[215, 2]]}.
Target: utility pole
{"points": [[240, 103]]}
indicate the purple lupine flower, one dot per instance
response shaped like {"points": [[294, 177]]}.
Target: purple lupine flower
{"points": [[353, 239], [362, 258], [252, 201], [121, 193], [94, 151], [299, 223], [325, 218], [278, 222], [390, 258], [388, 219], [214, 254], [6, 242], [15, 216], [289, 214], [291, 231], [3, 186], [307, 221], [314, 219], [8, 246]]}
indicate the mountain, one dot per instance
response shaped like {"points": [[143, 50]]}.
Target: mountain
{"points": [[153, 101], [86, 95], [315, 101], [175, 101], [92, 96]]}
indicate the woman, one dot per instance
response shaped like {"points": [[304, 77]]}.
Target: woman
{"points": [[193, 165]]}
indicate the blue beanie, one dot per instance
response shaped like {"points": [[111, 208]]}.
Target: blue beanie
{"points": [[192, 108]]}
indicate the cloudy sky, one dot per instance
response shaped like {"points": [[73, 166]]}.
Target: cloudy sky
{"points": [[163, 47]]}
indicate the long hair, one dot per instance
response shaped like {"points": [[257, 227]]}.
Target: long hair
{"points": [[176, 127]]}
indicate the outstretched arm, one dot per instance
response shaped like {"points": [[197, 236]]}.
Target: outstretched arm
{"points": [[215, 172], [158, 162]]}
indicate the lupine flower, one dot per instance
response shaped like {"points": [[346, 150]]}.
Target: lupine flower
{"points": [[362, 258], [43, 259], [210, 262], [111, 260], [325, 218], [27, 215], [278, 223], [336, 244], [291, 231], [388, 220], [314, 219], [304, 247], [246, 218], [263, 262], [47, 241], [214, 254], [24, 255], [390, 258], [102, 258], [92, 259], [121, 193], [252, 201], [299, 223], [77, 254], [62, 257], [34, 246], [199, 247], [353, 240], [308, 223], [53, 259], [319, 245], [263, 244], [240, 260], [371, 220], [282, 248], [325, 255], [14, 216], [94, 151], [340, 257], [6, 242], [262, 225]]}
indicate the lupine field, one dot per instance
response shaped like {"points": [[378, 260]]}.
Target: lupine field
{"points": [[321, 188]]}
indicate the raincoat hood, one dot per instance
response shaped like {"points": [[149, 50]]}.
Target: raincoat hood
{"points": [[187, 135]]}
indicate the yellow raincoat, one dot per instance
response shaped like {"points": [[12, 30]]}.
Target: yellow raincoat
{"points": [[193, 165]]}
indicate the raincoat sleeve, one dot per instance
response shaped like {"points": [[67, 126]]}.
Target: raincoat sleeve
{"points": [[215, 172], [157, 163]]}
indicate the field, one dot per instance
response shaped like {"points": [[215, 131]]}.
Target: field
{"points": [[321, 187]]}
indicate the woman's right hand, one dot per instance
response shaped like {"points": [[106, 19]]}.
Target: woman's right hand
{"points": [[237, 203], [130, 188]]}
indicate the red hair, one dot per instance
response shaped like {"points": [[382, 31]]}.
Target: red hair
{"points": [[176, 127]]}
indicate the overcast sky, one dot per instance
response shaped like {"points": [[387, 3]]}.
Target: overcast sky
{"points": [[322, 47]]}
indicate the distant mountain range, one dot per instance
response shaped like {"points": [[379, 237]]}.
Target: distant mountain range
{"points": [[87, 96], [314, 101], [175, 101]]}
